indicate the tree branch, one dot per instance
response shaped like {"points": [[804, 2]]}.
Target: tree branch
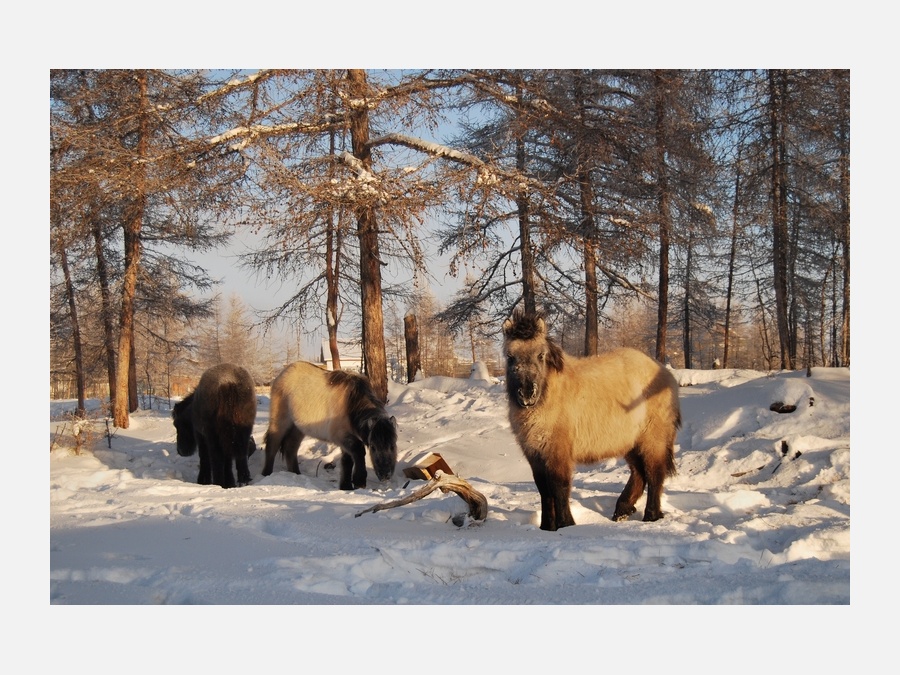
{"points": [[478, 506]]}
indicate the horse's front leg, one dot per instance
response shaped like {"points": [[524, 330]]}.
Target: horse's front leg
{"points": [[205, 475], [554, 484], [353, 464]]}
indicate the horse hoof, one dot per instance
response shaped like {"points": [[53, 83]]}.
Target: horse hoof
{"points": [[623, 514]]}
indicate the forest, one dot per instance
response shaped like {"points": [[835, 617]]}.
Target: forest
{"points": [[702, 216]]}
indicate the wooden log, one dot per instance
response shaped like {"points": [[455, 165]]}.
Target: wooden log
{"points": [[478, 506]]}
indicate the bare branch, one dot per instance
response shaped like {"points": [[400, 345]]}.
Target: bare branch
{"points": [[478, 506]]}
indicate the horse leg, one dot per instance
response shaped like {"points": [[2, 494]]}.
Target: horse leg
{"points": [[273, 445], [634, 488], [242, 452], [353, 464], [205, 475], [554, 485], [289, 447], [220, 462], [288, 442], [656, 476]]}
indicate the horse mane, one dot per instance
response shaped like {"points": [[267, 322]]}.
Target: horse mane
{"points": [[522, 326], [365, 410], [527, 326], [362, 403]]}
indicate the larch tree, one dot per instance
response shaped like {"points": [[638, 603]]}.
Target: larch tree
{"points": [[127, 137], [329, 151]]}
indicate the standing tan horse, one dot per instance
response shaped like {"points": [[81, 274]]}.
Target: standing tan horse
{"points": [[566, 410]]}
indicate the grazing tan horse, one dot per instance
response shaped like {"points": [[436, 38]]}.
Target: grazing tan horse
{"points": [[566, 410], [334, 406]]}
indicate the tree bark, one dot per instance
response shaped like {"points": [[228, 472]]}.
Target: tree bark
{"points": [[732, 257], [591, 315], [780, 240], [332, 278], [109, 337], [687, 341], [374, 351], [411, 334], [522, 206], [132, 239], [844, 138], [664, 217], [76, 332]]}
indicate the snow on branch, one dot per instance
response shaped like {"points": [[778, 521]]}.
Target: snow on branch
{"points": [[356, 166], [248, 133], [236, 83], [429, 148]]}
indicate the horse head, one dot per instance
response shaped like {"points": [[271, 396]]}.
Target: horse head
{"points": [[382, 444], [185, 441], [530, 357]]}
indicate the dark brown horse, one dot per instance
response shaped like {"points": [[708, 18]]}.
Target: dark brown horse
{"points": [[566, 410], [334, 406], [218, 418]]}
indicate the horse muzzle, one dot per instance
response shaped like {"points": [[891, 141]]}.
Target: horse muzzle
{"points": [[528, 395]]}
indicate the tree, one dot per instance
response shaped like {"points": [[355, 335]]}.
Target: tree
{"points": [[124, 139]]}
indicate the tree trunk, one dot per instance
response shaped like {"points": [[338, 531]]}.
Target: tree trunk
{"points": [[76, 333], [374, 351], [688, 344], [332, 277], [732, 257], [591, 315], [780, 240], [664, 217], [132, 239], [411, 333], [522, 206], [844, 137], [109, 337], [591, 318]]}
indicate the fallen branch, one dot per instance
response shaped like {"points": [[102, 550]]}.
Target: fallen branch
{"points": [[477, 502]]}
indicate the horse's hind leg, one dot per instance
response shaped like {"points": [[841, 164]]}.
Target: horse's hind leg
{"points": [[242, 445], [353, 465], [288, 442], [633, 488], [656, 476], [289, 447], [273, 445]]}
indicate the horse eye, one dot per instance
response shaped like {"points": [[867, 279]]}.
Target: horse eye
{"points": [[541, 356]]}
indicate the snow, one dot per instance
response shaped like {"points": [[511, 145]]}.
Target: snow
{"points": [[759, 513]]}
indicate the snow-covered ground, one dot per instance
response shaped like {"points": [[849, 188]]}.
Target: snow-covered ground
{"points": [[759, 512]]}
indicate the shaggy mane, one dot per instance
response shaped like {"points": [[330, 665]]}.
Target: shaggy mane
{"points": [[524, 326], [360, 395]]}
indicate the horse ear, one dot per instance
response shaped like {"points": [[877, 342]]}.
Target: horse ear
{"points": [[554, 356], [541, 326], [394, 421], [507, 325]]}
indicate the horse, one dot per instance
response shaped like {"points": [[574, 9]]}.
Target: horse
{"points": [[335, 406], [218, 418], [566, 410]]}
